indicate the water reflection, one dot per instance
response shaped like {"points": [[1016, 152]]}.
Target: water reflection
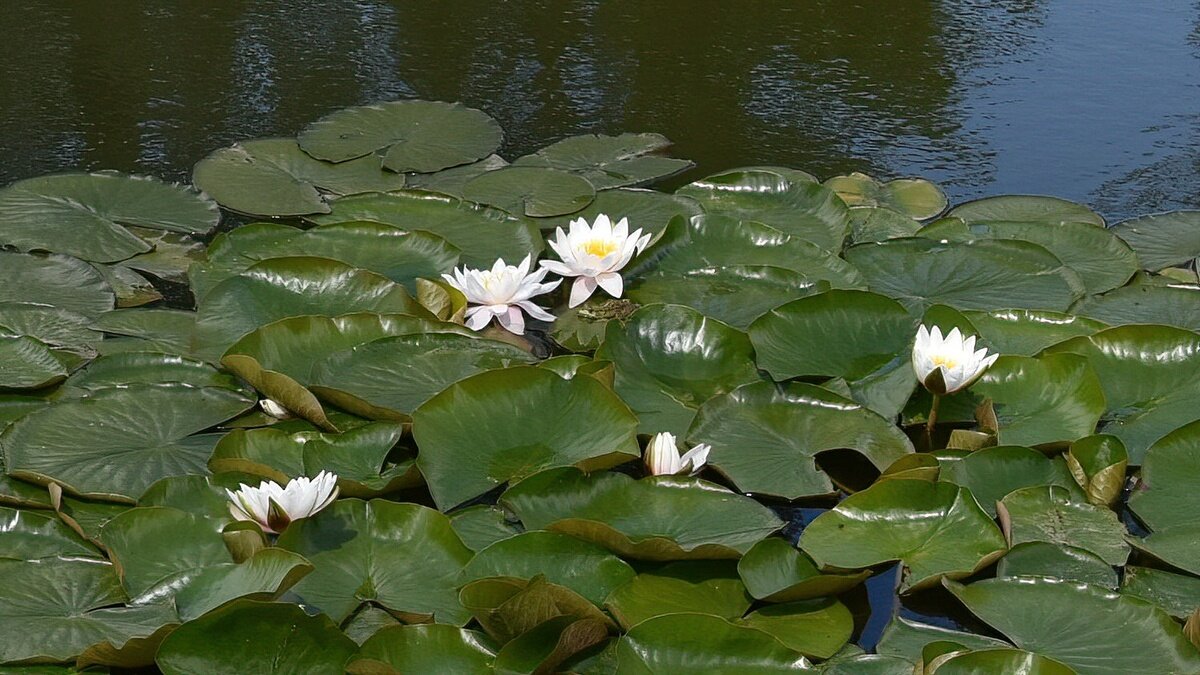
{"points": [[1094, 101]]}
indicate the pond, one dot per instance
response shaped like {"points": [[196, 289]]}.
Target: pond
{"points": [[1098, 102]]}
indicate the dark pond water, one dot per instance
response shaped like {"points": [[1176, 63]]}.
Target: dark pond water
{"points": [[1095, 100]]}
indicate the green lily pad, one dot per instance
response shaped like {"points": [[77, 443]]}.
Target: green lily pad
{"points": [[113, 444], [546, 646], [32, 535], [704, 587], [450, 181], [670, 359], [980, 274], [1176, 546], [400, 255], [678, 643], [429, 648], [1069, 563], [914, 197], [1177, 594], [907, 639], [391, 377], [1025, 332], [775, 571], [610, 161], [586, 568], [522, 420], [115, 370], [483, 234], [482, 525], [1093, 630], [421, 136], [816, 628], [57, 328], [936, 530], [266, 575], [1148, 374], [1025, 209], [286, 287], [657, 518], [872, 223], [172, 255], [648, 210], [1170, 477], [766, 437], [867, 664], [274, 177], [157, 329], [1049, 400], [1162, 240], [26, 363], [83, 214], [1049, 513], [402, 556], [1144, 303], [1008, 661], [261, 637], [531, 191], [802, 209], [57, 280], [52, 610], [736, 295], [1098, 465], [992, 473], [508, 607], [132, 289]]}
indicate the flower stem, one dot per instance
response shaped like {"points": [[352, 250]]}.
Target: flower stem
{"points": [[932, 421]]}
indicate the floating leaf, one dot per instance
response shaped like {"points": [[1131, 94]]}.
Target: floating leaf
{"points": [[647, 210], [427, 648], [765, 437], [116, 370], [508, 607], [871, 223], [907, 639], [816, 628], [131, 288], [1050, 514], [1025, 332], [1025, 209], [57, 280], [522, 420], [991, 473], [914, 197], [1177, 546], [547, 645], [82, 214], [166, 330], [31, 535], [658, 518], [935, 529], [678, 643], [692, 586], [1145, 303], [482, 525], [736, 295], [1008, 661], [57, 328], [1098, 465], [610, 161], [421, 136], [1162, 240], [274, 177], [451, 181], [1170, 477], [1069, 563], [531, 191], [1178, 594], [775, 571], [403, 556], [1049, 400], [26, 363]]}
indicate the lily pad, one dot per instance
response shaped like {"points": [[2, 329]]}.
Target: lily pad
{"points": [[1176, 546], [1178, 594], [522, 420], [402, 556], [274, 177], [52, 610], [1170, 478], [132, 289], [116, 370], [1145, 303], [775, 571], [706, 587], [610, 161], [736, 295], [907, 639], [873, 223], [508, 607], [1026, 209], [914, 197], [391, 377], [802, 209], [658, 518], [57, 328], [26, 363], [57, 280], [429, 648], [980, 274], [285, 287], [1093, 630], [1050, 514], [1162, 240], [482, 525], [483, 234], [83, 214], [1049, 400], [133, 436], [766, 437], [451, 181], [648, 210], [285, 640], [670, 359], [1025, 332], [816, 628], [1069, 563], [32, 535], [421, 136], [678, 643], [531, 191], [936, 530], [166, 330], [992, 473], [1008, 661], [1098, 465]]}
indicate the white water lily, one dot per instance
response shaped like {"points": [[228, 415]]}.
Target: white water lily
{"points": [[502, 292], [273, 507], [663, 458], [595, 255], [959, 363], [274, 409]]}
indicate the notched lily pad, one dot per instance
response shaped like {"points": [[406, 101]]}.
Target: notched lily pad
{"points": [[531, 191], [610, 161]]}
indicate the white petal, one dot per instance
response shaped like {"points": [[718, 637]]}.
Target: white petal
{"points": [[558, 268], [611, 283], [535, 311], [693, 460], [478, 318], [581, 290], [513, 321]]}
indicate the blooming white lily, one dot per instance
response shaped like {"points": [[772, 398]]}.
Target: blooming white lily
{"points": [[953, 358], [663, 458], [502, 292], [595, 255], [273, 507]]}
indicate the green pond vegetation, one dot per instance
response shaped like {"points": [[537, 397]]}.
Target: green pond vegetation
{"points": [[489, 488]]}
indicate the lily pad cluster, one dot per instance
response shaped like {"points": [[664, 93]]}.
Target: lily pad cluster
{"points": [[465, 498]]}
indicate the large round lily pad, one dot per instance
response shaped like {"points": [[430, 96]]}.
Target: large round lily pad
{"points": [[678, 643], [1146, 303], [31, 535], [1027, 209], [1048, 400], [1093, 630], [979, 274], [991, 473], [1026, 332], [766, 437], [936, 530], [531, 191], [1170, 479], [429, 648], [709, 587], [56, 280], [816, 628], [113, 444], [657, 518], [26, 363], [482, 233], [503, 425], [1069, 563], [57, 328], [736, 295], [803, 209], [609, 161], [914, 197], [421, 136], [83, 214], [274, 177], [403, 556], [776, 571], [1050, 514], [670, 359], [1164, 239]]}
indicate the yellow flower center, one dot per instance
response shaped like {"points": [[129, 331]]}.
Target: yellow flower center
{"points": [[944, 361], [600, 247]]}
